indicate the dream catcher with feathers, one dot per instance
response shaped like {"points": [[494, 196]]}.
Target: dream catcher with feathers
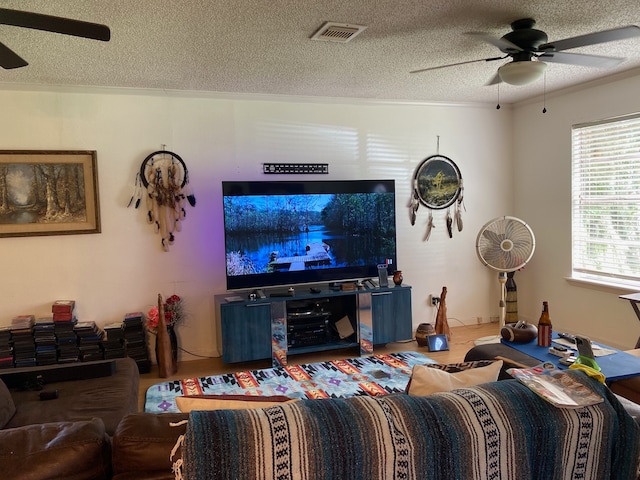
{"points": [[437, 184], [165, 178]]}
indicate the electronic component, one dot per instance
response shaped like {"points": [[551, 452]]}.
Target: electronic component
{"points": [[560, 351], [567, 360]]}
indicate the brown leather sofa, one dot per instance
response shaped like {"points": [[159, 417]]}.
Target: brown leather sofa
{"points": [[90, 431], [142, 445]]}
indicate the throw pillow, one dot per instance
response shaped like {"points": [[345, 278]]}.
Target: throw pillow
{"points": [[7, 407], [188, 403], [428, 379]]}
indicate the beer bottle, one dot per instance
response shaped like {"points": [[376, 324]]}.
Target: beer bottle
{"points": [[544, 327]]}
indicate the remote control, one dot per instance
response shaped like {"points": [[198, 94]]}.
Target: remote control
{"points": [[48, 394], [567, 336]]}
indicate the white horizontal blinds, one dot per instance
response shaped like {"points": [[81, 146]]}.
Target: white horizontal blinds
{"points": [[606, 200]]}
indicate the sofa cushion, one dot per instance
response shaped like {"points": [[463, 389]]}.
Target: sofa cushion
{"points": [[142, 444], [69, 450], [426, 380], [109, 398], [188, 403], [7, 407]]}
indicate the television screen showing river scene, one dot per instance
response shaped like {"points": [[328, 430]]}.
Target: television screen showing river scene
{"points": [[300, 232]]}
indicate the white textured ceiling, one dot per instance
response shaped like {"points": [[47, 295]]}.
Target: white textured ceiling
{"points": [[264, 46]]}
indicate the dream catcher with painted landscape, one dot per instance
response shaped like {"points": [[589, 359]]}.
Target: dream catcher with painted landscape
{"points": [[163, 180], [437, 185]]}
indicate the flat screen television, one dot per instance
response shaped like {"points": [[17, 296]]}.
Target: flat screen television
{"points": [[286, 232]]}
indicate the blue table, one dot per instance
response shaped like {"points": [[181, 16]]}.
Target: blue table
{"points": [[617, 366]]}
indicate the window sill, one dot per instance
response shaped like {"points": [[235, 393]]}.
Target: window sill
{"points": [[602, 286]]}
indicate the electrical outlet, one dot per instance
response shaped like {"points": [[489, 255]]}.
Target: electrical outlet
{"points": [[435, 300], [479, 320]]}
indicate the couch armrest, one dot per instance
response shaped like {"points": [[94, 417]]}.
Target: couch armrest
{"points": [[69, 450], [143, 442]]}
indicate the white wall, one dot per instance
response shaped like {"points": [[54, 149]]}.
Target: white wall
{"points": [[123, 268], [542, 181]]}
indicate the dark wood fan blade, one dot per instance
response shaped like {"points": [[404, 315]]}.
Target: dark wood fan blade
{"points": [[503, 44], [596, 61], [50, 23], [456, 64], [10, 59], [621, 33]]}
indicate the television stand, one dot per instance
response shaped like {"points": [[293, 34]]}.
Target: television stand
{"points": [[303, 321]]}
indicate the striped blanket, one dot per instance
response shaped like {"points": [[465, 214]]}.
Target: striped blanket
{"points": [[499, 430]]}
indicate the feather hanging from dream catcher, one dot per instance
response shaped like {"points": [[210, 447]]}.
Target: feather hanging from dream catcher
{"points": [[165, 177]]}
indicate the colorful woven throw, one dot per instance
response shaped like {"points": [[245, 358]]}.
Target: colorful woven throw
{"points": [[373, 375]]}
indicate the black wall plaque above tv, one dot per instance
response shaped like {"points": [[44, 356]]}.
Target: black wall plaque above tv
{"points": [[295, 168], [285, 232]]}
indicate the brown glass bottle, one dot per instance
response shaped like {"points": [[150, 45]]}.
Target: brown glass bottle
{"points": [[544, 327]]}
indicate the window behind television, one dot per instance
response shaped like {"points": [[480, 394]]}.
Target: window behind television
{"points": [[287, 232]]}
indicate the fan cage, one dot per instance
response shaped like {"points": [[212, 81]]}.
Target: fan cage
{"points": [[505, 244]]}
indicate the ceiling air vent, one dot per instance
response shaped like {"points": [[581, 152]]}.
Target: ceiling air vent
{"points": [[337, 32]]}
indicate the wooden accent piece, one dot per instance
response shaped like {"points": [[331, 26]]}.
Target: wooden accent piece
{"points": [[166, 365], [442, 325]]}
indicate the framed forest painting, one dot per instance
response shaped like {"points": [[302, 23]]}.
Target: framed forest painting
{"points": [[48, 192]]}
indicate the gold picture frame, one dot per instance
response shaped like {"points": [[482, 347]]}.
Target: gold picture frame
{"points": [[48, 192]]}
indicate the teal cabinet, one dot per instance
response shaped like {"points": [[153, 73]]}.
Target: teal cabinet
{"points": [[391, 312], [246, 331]]}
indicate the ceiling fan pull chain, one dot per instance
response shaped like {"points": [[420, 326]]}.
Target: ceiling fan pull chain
{"points": [[498, 106]]}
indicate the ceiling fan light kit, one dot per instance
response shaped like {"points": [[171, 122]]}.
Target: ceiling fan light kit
{"points": [[521, 73]]}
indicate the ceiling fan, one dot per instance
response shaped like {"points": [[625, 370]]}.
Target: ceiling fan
{"points": [[527, 47], [38, 21]]}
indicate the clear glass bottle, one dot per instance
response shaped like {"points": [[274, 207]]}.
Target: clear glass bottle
{"points": [[544, 327]]}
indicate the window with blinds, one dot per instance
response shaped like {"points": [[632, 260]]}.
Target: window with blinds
{"points": [[606, 201]]}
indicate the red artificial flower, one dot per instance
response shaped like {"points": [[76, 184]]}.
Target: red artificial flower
{"points": [[173, 313]]}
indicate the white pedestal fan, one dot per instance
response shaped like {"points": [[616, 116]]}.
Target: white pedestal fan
{"points": [[505, 244]]}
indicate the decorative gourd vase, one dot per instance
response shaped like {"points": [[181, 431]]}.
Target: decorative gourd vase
{"points": [[397, 277], [422, 332], [166, 364]]}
